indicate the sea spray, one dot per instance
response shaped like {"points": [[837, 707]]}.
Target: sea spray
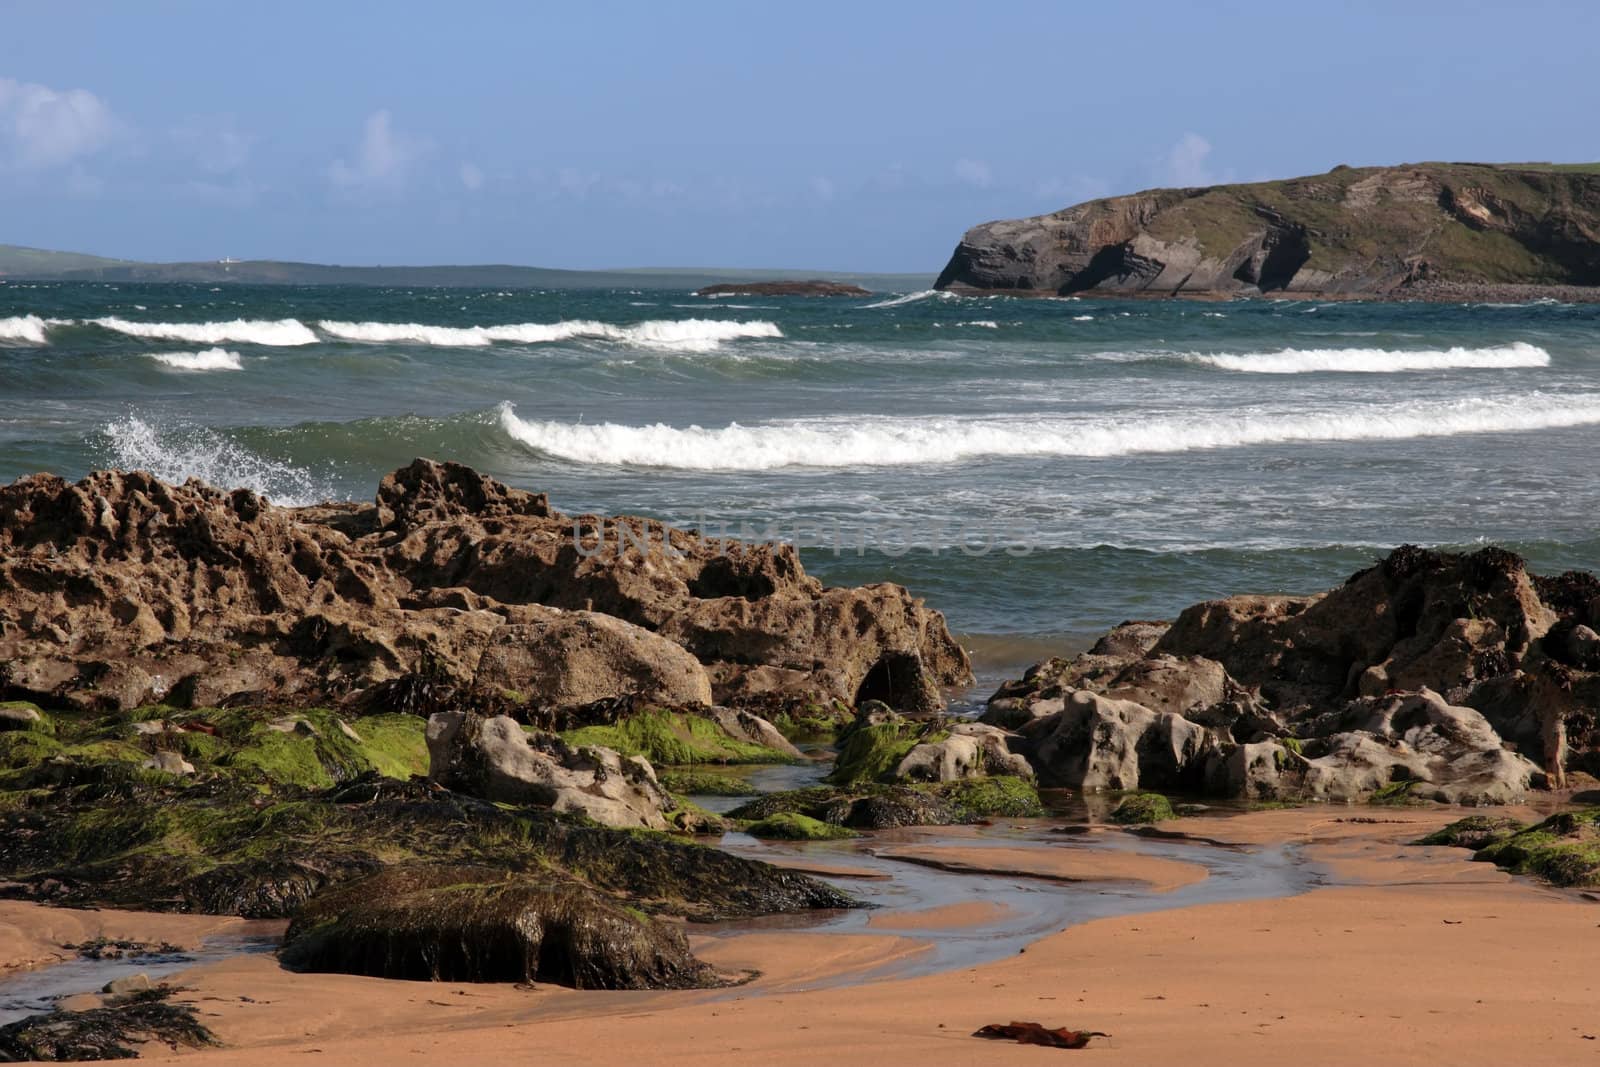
{"points": [[176, 454]]}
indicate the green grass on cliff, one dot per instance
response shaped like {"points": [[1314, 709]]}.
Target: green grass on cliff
{"points": [[1352, 229]]}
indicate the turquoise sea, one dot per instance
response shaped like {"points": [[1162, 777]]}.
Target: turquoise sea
{"points": [[1038, 469]]}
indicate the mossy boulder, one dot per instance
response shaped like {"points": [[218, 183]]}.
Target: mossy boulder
{"points": [[792, 826], [21, 715], [879, 806], [1563, 849], [870, 751], [224, 847], [1474, 832], [477, 924], [1142, 808], [313, 748]]}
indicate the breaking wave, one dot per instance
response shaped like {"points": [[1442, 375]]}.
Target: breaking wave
{"points": [[280, 332], [844, 443], [912, 298], [1379, 361], [180, 453], [210, 359], [681, 334], [30, 328]]}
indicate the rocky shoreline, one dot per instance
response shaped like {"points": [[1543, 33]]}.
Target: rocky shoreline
{"points": [[455, 735], [816, 287]]}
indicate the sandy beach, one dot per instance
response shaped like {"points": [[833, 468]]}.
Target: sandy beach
{"points": [[1402, 956]]}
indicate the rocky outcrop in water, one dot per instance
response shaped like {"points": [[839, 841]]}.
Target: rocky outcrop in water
{"points": [[785, 288], [1450, 230], [121, 590], [1461, 678]]}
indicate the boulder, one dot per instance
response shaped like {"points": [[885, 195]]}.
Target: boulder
{"points": [[1100, 743], [18, 716], [567, 658], [479, 924], [971, 750], [1422, 747], [121, 589], [168, 763], [496, 759], [753, 729], [1480, 658]]}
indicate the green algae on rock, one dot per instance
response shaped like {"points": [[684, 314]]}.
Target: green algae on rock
{"points": [[792, 826], [1143, 808], [224, 847], [879, 806], [668, 737]]}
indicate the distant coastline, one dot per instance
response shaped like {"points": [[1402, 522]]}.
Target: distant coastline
{"points": [[31, 264]]}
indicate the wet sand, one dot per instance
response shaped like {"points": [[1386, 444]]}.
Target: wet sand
{"points": [[1054, 863], [32, 935], [947, 916], [1407, 955]]}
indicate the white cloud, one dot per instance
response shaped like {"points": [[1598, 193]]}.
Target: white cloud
{"points": [[974, 172], [383, 157], [822, 188], [471, 176], [43, 127], [1186, 163]]}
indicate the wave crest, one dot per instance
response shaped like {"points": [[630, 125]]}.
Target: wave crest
{"points": [[843, 443], [680, 334], [30, 328], [1378, 360], [912, 298], [278, 333], [210, 359]]}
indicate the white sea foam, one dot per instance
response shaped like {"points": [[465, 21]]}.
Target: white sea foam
{"points": [[1083, 318], [678, 334], [280, 332], [988, 324], [180, 453], [210, 359], [30, 328], [844, 442], [1380, 361], [912, 298]]}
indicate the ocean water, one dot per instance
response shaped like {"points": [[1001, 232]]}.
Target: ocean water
{"points": [[1038, 469]]}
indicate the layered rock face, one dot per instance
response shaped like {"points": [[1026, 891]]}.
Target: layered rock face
{"points": [[1373, 230], [122, 590], [1431, 675]]}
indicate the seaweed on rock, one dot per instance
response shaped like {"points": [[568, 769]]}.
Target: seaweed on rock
{"points": [[477, 924]]}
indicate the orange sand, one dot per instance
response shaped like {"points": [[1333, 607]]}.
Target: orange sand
{"points": [[1428, 958]]}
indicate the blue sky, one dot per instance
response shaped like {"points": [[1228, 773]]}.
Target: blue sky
{"points": [[860, 136]]}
